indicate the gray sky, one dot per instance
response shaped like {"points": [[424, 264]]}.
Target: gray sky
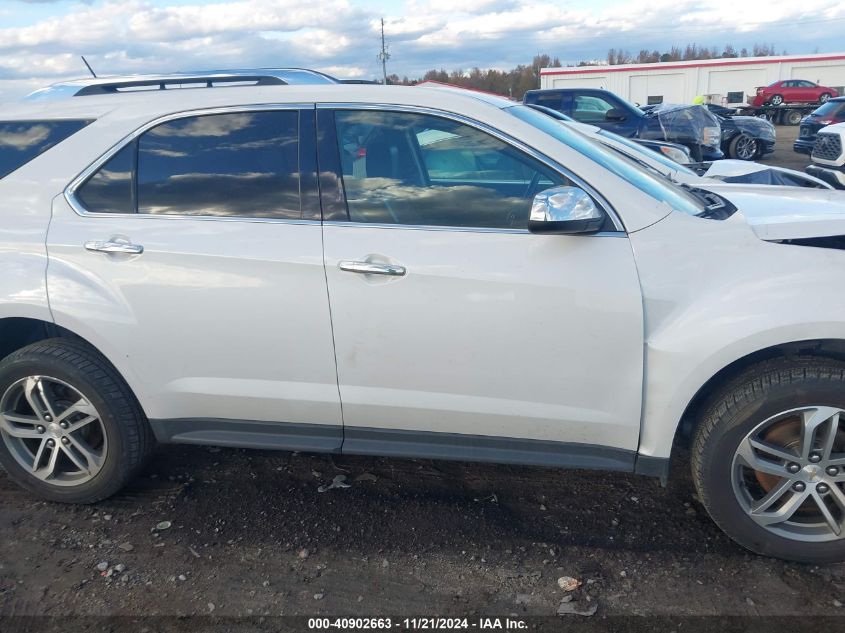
{"points": [[41, 40]]}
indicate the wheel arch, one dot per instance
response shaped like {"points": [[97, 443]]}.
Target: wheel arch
{"points": [[17, 332], [820, 348]]}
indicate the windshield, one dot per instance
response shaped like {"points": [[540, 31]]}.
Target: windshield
{"points": [[831, 107], [660, 189], [646, 153]]}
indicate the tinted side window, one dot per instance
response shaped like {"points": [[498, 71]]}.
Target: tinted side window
{"points": [[416, 169], [109, 190], [21, 141], [590, 109], [553, 100], [243, 164]]}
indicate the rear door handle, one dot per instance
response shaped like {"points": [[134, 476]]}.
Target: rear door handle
{"points": [[370, 268], [113, 246]]}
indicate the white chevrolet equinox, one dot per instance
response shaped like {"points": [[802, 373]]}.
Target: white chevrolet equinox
{"points": [[273, 259]]}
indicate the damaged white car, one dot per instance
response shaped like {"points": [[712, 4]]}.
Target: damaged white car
{"points": [[275, 260]]}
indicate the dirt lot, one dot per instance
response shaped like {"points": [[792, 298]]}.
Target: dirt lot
{"points": [[784, 156], [249, 534]]}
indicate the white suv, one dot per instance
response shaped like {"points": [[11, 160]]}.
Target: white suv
{"points": [[829, 155], [307, 265]]}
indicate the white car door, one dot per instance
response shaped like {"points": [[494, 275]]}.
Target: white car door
{"points": [[458, 333], [193, 261]]}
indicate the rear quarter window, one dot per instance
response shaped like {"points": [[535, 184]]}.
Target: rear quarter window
{"points": [[21, 141]]}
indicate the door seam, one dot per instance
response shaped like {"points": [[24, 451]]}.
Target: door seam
{"points": [[316, 146]]}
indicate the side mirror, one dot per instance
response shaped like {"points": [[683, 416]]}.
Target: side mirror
{"points": [[564, 211], [615, 114]]}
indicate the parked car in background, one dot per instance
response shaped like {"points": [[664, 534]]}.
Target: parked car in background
{"points": [[829, 155], [747, 137], [673, 161], [793, 91], [833, 111], [675, 152], [692, 126], [743, 137]]}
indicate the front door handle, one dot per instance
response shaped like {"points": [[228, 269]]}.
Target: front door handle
{"points": [[371, 268], [114, 246]]}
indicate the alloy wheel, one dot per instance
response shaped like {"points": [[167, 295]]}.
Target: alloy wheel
{"points": [[777, 100], [52, 431], [746, 147], [788, 473], [823, 98]]}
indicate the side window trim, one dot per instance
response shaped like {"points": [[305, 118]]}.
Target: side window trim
{"points": [[70, 192], [134, 184], [332, 195], [566, 101], [309, 187], [328, 158]]}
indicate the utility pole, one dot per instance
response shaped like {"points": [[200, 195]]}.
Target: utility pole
{"points": [[383, 55]]}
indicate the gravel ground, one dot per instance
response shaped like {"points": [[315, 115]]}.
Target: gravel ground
{"points": [[784, 155], [226, 532]]}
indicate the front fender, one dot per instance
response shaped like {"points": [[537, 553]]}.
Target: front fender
{"points": [[714, 293]]}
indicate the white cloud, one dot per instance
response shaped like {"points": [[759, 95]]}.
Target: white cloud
{"points": [[120, 36], [25, 138]]}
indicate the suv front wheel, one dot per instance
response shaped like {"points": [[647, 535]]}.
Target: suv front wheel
{"points": [[70, 428], [768, 459]]}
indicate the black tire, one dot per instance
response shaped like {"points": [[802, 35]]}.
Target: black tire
{"points": [[744, 147], [776, 100], [792, 117], [733, 411], [130, 439], [824, 97]]}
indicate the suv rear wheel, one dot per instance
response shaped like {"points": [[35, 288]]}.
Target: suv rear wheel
{"points": [[768, 459], [70, 428]]}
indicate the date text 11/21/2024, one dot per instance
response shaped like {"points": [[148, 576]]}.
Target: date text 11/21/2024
{"points": [[417, 624]]}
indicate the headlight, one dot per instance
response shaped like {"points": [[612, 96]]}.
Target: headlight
{"points": [[675, 154], [712, 136]]}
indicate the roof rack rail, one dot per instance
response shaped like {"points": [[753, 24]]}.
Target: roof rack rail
{"points": [[162, 84], [203, 79]]}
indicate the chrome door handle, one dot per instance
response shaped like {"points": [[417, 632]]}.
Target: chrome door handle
{"points": [[370, 268], [112, 246]]}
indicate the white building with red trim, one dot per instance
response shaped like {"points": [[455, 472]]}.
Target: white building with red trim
{"points": [[728, 81]]}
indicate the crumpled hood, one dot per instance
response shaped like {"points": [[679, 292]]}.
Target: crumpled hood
{"points": [[783, 213], [745, 172]]}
